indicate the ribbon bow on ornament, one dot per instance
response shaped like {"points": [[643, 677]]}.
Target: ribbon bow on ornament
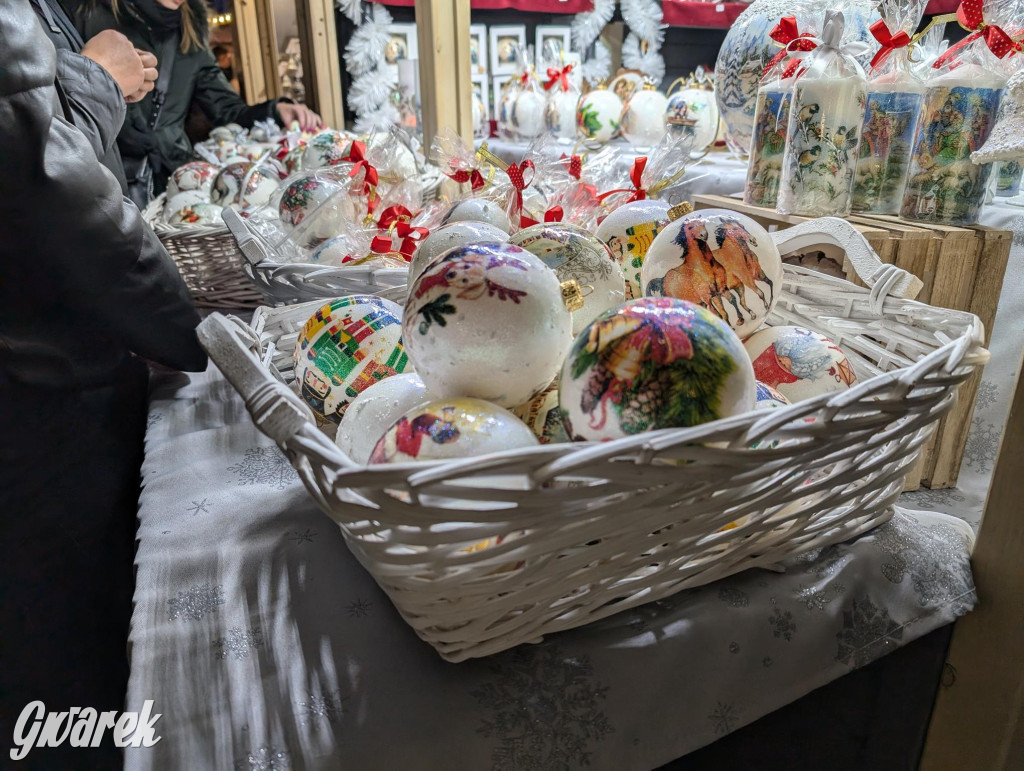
{"points": [[554, 214], [556, 75], [520, 182], [636, 177], [396, 220], [786, 33], [887, 40], [970, 16], [357, 155], [474, 178], [575, 167], [831, 40]]}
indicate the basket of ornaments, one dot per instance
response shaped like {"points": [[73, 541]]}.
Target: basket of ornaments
{"points": [[566, 422]]}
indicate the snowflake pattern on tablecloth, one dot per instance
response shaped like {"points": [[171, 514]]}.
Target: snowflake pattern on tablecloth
{"points": [[264, 466], [543, 707], [724, 718], [733, 597], [1017, 226], [359, 608], [824, 562], [265, 759], [933, 500], [868, 633], [329, 707], [819, 599], [982, 445], [195, 602], [988, 394], [306, 536], [198, 507], [238, 642], [782, 624], [939, 568]]}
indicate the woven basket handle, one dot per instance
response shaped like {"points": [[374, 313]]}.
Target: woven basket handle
{"points": [[837, 232], [251, 247], [275, 410]]}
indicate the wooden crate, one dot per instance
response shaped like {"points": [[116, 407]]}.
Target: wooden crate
{"points": [[962, 268]]}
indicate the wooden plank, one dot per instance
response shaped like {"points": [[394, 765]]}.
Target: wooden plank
{"points": [[318, 38], [268, 46], [988, 282], [978, 719], [248, 51], [442, 28]]}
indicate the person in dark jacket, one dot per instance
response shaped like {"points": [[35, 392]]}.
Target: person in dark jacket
{"points": [[84, 293], [150, 24]]}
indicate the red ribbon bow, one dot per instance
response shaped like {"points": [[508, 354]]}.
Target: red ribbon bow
{"points": [[636, 177], [519, 181], [398, 219], [971, 18], [576, 166], [475, 178], [786, 32], [554, 214], [887, 40], [357, 155], [555, 75]]}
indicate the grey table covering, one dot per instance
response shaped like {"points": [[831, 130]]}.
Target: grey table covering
{"points": [[265, 645]]}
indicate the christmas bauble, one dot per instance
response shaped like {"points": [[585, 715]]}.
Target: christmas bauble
{"points": [[576, 255], [628, 232], [799, 363], [253, 151], [598, 116], [221, 134], [302, 196], [337, 250], [244, 184], [478, 210], [375, 410], [560, 113], [196, 175], [292, 159], [528, 114], [197, 214], [321, 222], [487, 320], [327, 148], [479, 116], [720, 260], [643, 119], [458, 427], [653, 363], [343, 349], [696, 104], [503, 110], [544, 417], [186, 199], [767, 398], [448, 237]]}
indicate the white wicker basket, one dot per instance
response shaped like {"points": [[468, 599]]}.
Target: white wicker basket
{"points": [[208, 259], [577, 532]]}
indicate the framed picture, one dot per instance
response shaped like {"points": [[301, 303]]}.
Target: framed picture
{"points": [[503, 42], [558, 34], [402, 43], [478, 50], [482, 89]]}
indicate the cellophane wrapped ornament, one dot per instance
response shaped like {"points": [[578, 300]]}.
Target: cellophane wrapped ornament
{"points": [[771, 114], [504, 106], [647, 176], [895, 93], [563, 96], [825, 119], [961, 101]]}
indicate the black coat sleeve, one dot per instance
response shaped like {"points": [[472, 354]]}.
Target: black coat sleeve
{"points": [[58, 198], [221, 102], [96, 102]]}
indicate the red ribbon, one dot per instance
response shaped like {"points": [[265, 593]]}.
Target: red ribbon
{"points": [[398, 219], [971, 18], [636, 177], [887, 40], [475, 178], [576, 166], [554, 214], [556, 75], [785, 32], [519, 182], [357, 155]]}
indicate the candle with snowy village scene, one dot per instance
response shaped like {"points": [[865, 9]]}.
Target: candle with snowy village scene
{"points": [[890, 123], [771, 117]]}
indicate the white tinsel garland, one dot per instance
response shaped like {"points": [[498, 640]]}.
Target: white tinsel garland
{"points": [[649, 62], [599, 66], [587, 26], [351, 8], [370, 93], [365, 49], [380, 119], [641, 49]]}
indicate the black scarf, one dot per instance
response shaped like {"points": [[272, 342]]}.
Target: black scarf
{"points": [[162, 20]]}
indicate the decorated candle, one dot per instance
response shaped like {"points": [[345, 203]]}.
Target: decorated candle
{"points": [[1008, 178], [771, 120], [887, 138]]}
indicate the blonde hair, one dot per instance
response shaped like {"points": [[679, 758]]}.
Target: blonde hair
{"points": [[190, 40]]}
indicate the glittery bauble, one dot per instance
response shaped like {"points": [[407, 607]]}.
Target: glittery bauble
{"points": [[643, 119], [560, 113], [375, 410], [343, 349], [327, 148], [528, 114], [576, 255], [448, 237], [302, 196], [696, 104], [719, 259], [768, 398], [478, 210], [259, 183], [544, 417], [458, 427], [799, 363], [487, 320], [598, 116], [197, 214], [628, 232], [653, 363], [197, 175]]}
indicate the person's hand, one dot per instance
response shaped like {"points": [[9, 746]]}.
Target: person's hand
{"points": [[305, 117], [116, 54], [149, 75]]}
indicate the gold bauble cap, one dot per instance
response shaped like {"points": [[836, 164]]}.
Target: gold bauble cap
{"points": [[572, 295], [679, 210]]}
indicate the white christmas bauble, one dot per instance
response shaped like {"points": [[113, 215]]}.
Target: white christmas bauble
{"points": [[576, 255], [258, 134], [768, 398], [335, 251], [696, 104], [457, 427], [396, 160], [560, 113], [343, 349], [653, 363], [544, 417], [326, 220], [628, 232], [478, 210], [235, 129], [799, 363], [259, 182], [375, 410], [183, 200], [719, 259], [292, 159], [327, 148], [528, 114], [448, 237], [253, 151], [302, 196], [643, 120], [487, 320], [196, 175], [221, 134], [598, 115], [197, 214]]}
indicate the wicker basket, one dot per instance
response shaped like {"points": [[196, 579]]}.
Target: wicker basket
{"points": [[208, 259], [576, 532]]}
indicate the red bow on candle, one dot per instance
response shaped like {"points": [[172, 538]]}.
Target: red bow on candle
{"points": [[554, 214], [556, 75], [474, 178], [786, 32], [887, 40], [357, 155], [636, 177], [519, 181], [971, 18]]}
